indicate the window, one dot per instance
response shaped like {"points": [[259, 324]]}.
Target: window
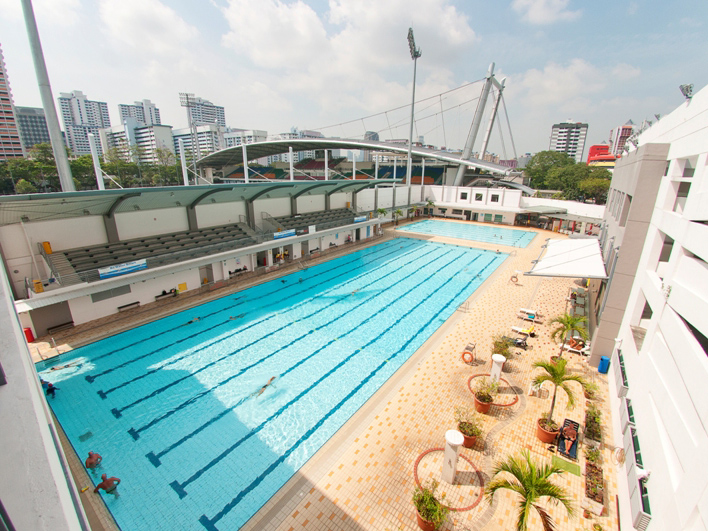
{"points": [[681, 196], [478, 197], [498, 218], [457, 212], [463, 196], [495, 198], [487, 217], [625, 210]]}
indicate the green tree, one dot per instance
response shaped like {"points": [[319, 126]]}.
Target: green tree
{"points": [[596, 188], [540, 164], [532, 483], [83, 172], [557, 375], [25, 187], [397, 214], [566, 325], [567, 179]]}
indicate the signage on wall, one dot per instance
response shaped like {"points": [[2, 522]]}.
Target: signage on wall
{"points": [[283, 234], [122, 269], [359, 219]]}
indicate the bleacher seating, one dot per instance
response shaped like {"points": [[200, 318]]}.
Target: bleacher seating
{"points": [[161, 250], [332, 218]]}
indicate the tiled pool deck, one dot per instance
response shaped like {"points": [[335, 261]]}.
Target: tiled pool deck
{"points": [[363, 478]]}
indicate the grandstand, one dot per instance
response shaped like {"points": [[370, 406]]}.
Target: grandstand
{"points": [[321, 219]]}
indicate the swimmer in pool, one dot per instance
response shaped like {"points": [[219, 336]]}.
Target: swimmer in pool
{"points": [[72, 364], [193, 320], [93, 460], [260, 391], [108, 484]]}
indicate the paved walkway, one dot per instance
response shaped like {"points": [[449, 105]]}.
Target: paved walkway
{"points": [[363, 478]]}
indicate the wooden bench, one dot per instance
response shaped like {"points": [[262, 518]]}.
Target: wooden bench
{"points": [[128, 306], [59, 328], [164, 295]]}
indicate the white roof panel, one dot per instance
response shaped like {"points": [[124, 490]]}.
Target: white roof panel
{"points": [[574, 258]]}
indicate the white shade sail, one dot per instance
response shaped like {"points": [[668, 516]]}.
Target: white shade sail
{"points": [[574, 258]]}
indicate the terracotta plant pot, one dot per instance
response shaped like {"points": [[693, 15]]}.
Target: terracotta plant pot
{"points": [[424, 524], [554, 360], [482, 407], [469, 441], [544, 435]]}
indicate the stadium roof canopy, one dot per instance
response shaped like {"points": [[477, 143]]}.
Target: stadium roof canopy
{"points": [[63, 205], [234, 155]]}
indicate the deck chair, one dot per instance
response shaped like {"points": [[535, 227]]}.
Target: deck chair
{"points": [[518, 342], [525, 331], [567, 442], [584, 351]]}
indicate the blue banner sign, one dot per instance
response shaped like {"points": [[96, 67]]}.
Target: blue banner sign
{"points": [[283, 234], [359, 219], [122, 269]]}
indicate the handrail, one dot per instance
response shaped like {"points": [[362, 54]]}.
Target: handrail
{"points": [[48, 261]]}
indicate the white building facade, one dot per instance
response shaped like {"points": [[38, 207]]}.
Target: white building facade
{"points": [[145, 112], [148, 139], [659, 366], [82, 116], [204, 112]]}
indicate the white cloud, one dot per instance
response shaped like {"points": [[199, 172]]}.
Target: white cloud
{"points": [[146, 26], [632, 8], [545, 11], [59, 12], [625, 72]]}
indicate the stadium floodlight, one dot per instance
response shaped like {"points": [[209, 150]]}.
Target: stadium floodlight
{"points": [[687, 90], [186, 99], [415, 53]]}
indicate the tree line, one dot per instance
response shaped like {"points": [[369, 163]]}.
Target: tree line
{"points": [[551, 170], [38, 172]]}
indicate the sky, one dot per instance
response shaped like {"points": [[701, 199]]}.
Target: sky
{"points": [[344, 67]]}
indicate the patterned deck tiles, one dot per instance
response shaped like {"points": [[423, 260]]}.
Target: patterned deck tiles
{"points": [[363, 477]]}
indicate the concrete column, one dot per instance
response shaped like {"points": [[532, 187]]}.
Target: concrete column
{"points": [[497, 363], [192, 218], [326, 166], [293, 206], [245, 163], [251, 215], [453, 441], [111, 229], [183, 161], [96, 162], [292, 170], [422, 181], [327, 202], [353, 166]]}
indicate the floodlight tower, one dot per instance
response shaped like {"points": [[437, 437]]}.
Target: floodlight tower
{"points": [[186, 99], [415, 53]]}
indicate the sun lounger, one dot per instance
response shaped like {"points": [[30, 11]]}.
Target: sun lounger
{"points": [[568, 439], [518, 342], [584, 351], [525, 331], [529, 315]]}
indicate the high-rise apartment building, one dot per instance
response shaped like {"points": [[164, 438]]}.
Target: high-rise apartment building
{"points": [[148, 139], [236, 137], [82, 116], [145, 112], [204, 112], [10, 143], [569, 137], [33, 126], [210, 138], [619, 136]]}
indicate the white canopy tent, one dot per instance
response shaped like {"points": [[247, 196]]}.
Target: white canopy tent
{"points": [[574, 258]]}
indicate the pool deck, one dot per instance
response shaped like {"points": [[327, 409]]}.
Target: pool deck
{"points": [[363, 477]]}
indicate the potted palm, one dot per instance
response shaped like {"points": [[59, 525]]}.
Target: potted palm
{"points": [[431, 514], [381, 212], [591, 390], [531, 482], [484, 394], [547, 429], [430, 205], [567, 325], [397, 214], [468, 425]]}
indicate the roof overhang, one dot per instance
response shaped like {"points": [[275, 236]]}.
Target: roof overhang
{"points": [[572, 258], [233, 156], [545, 210]]}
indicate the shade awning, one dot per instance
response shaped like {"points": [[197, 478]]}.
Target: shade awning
{"points": [[581, 258], [546, 210]]}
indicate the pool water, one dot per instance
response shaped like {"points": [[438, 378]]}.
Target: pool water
{"points": [[175, 407], [469, 231]]}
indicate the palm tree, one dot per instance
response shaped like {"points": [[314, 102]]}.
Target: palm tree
{"points": [[567, 324], [430, 205], [556, 374], [381, 212], [531, 482], [397, 214]]}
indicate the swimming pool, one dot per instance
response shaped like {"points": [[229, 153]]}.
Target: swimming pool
{"points": [[174, 408], [469, 231]]}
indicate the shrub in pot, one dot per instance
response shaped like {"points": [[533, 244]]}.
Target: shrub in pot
{"points": [[593, 424], [591, 390], [468, 425], [430, 512], [484, 394]]}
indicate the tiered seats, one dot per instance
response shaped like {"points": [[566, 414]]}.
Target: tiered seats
{"points": [[332, 218], [159, 249]]}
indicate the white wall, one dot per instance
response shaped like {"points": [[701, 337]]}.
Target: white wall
{"points": [[339, 200], [589, 210], [214, 215], [276, 207], [307, 203], [151, 222]]}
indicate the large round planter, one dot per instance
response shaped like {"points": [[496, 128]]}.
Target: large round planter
{"points": [[469, 442], [544, 435], [425, 525], [482, 407]]}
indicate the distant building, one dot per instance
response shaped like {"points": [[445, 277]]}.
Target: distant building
{"points": [[204, 112], [145, 112], [236, 137], [569, 137], [374, 137], [10, 143], [148, 139], [511, 163], [299, 155], [599, 155], [619, 136], [33, 126], [82, 116], [523, 160], [210, 138]]}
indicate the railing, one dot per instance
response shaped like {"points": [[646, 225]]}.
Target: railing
{"points": [[268, 223], [48, 260]]}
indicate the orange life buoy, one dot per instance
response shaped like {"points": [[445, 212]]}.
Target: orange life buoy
{"points": [[467, 356]]}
